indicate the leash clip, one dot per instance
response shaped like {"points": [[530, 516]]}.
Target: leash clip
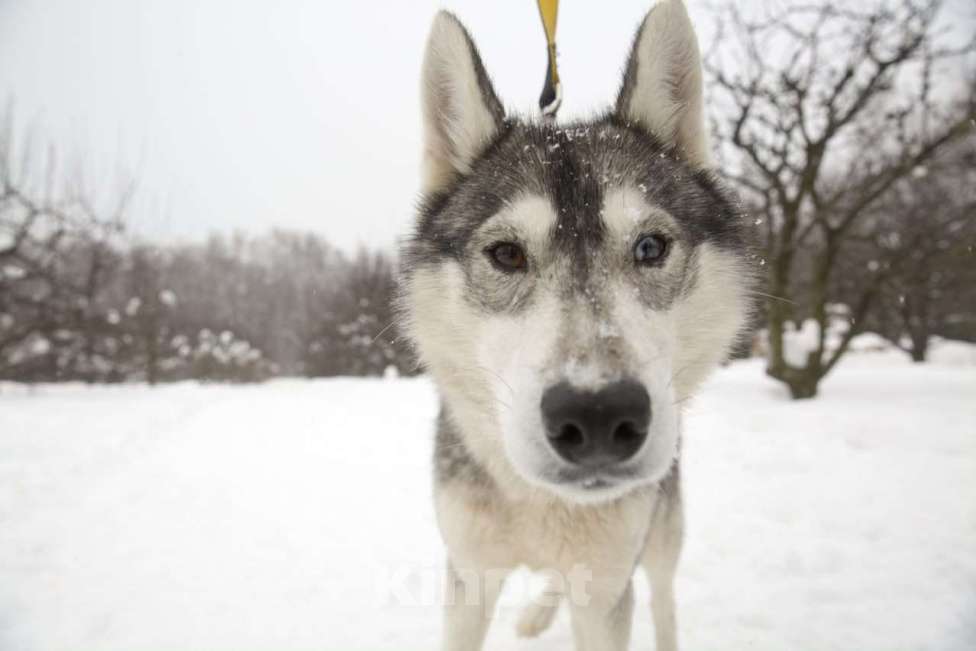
{"points": [[552, 91]]}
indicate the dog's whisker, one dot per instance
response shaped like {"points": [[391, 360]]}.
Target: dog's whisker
{"points": [[484, 369], [675, 375], [772, 296], [478, 371], [385, 328], [500, 378]]}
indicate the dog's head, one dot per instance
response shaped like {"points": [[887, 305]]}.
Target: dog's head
{"points": [[569, 286]]}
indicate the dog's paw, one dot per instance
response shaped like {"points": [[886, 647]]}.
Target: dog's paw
{"points": [[536, 618]]}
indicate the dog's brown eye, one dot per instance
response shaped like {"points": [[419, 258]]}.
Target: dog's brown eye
{"points": [[507, 256], [650, 249]]}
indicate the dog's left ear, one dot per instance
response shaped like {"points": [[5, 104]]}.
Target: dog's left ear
{"points": [[461, 111], [662, 86]]}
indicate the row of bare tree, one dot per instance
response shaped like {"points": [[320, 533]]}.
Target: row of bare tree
{"points": [[80, 302]]}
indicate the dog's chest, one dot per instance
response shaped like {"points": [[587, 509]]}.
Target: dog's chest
{"points": [[557, 536], [544, 535]]}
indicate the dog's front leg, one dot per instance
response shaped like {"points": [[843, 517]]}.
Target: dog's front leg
{"points": [[469, 605], [603, 622], [661, 562]]}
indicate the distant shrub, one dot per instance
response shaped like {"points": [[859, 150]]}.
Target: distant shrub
{"points": [[222, 358]]}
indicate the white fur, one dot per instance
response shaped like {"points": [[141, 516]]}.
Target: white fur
{"points": [[651, 337], [626, 210], [531, 216], [716, 307], [457, 119], [692, 338]]}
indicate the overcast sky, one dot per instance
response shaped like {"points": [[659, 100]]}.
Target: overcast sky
{"points": [[296, 114]]}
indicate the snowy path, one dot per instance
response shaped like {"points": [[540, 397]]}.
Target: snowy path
{"points": [[239, 517]]}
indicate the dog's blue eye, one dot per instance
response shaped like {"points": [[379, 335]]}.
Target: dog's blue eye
{"points": [[507, 256], [650, 249]]}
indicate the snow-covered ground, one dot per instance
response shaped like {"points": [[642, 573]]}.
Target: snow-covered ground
{"points": [[296, 515]]}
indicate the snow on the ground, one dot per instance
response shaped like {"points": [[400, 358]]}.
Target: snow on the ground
{"points": [[953, 353], [296, 515]]}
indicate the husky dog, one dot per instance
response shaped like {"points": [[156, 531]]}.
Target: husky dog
{"points": [[568, 288]]}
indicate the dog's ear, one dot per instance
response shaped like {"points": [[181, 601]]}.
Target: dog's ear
{"points": [[460, 109], [662, 86]]}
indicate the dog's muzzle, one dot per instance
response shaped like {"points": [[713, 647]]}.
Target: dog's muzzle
{"points": [[596, 429]]}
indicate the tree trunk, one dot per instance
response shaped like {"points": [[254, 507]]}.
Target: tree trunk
{"points": [[151, 333], [801, 382], [88, 317], [918, 322], [803, 389], [152, 363], [920, 347], [780, 270]]}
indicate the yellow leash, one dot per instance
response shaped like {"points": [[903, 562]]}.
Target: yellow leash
{"points": [[552, 92]]}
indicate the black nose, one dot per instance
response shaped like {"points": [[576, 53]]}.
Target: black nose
{"points": [[596, 428]]}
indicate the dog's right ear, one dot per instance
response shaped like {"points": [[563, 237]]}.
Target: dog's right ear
{"points": [[460, 109]]}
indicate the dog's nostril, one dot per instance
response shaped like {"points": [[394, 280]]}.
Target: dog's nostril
{"points": [[626, 433], [570, 434]]}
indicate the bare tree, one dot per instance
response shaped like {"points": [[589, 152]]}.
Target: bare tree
{"points": [[357, 331], [925, 231], [147, 309], [56, 252], [823, 109], [78, 300]]}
